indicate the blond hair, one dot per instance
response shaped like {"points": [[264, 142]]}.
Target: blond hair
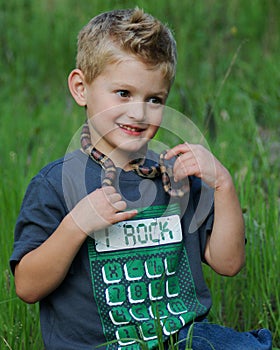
{"points": [[111, 34]]}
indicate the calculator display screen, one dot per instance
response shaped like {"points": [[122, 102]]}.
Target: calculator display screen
{"points": [[139, 233]]}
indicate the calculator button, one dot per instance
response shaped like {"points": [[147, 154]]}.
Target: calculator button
{"points": [[170, 263], [137, 292], [148, 330], [134, 270], [177, 306], [154, 267], [171, 325], [120, 315], [115, 295], [158, 310], [187, 317], [126, 332], [130, 347], [156, 289], [172, 287], [139, 312], [112, 272]]}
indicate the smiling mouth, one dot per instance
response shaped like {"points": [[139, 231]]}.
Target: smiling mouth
{"points": [[131, 128]]}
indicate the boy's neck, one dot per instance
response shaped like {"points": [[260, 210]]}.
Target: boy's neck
{"points": [[124, 160]]}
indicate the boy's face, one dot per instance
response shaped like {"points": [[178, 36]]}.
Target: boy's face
{"points": [[125, 106]]}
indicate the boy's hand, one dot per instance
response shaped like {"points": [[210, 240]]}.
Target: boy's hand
{"points": [[225, 247], [196, 160], [101, 208]]}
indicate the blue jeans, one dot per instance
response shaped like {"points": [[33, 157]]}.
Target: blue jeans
{"points": [[208, 336]]}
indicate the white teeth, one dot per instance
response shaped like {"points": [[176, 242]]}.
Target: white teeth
{"points": [[128, 128]]}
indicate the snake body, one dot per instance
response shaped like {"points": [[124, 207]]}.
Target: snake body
{"points": [[147, 172]]}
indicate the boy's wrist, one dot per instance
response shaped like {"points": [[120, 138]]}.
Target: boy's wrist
{"points": [[72, 227], [224, 181]]}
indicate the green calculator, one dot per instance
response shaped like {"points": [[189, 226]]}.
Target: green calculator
{"points": [[141, 278]]}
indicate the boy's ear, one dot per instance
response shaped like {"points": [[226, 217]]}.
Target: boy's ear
{"points": [[76, 84]]}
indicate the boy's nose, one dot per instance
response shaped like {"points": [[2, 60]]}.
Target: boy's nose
{"points": [[137, 111]]}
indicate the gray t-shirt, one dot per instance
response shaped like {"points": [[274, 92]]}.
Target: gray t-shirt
{"points": [[129, 279]]}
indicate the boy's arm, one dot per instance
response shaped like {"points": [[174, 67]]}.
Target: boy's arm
{"points": [[43, 269], [225, 248]]}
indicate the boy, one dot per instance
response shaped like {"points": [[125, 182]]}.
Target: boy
{"points": [[103, 241]]}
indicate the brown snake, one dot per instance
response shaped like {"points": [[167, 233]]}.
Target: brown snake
{"points": [[148, 172]]}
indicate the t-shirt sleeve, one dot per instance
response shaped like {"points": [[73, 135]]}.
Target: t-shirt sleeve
{"points": [[202, 213], [206, 230], [41, 212]]}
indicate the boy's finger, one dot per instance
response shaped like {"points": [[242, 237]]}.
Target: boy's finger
{"points": [[115, 197], [125, 215], [109, 190], [119, 205], [181, 148]]}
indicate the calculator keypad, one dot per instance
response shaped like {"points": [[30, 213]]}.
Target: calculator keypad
{"points": [[144, 291]]}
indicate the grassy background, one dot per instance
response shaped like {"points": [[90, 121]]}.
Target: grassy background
{"points": [[238, 113]]}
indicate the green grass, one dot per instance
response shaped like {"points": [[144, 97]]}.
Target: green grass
{"points": [[38, 119]]}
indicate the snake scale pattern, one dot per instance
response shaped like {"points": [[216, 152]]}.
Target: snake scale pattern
{"points": [[147, 172]]}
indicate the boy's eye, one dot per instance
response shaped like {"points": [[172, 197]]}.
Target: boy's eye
{"points": [[123, 93], [155, 100]]}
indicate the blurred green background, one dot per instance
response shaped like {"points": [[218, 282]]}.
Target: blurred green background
{"points": [[227, 82]]}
